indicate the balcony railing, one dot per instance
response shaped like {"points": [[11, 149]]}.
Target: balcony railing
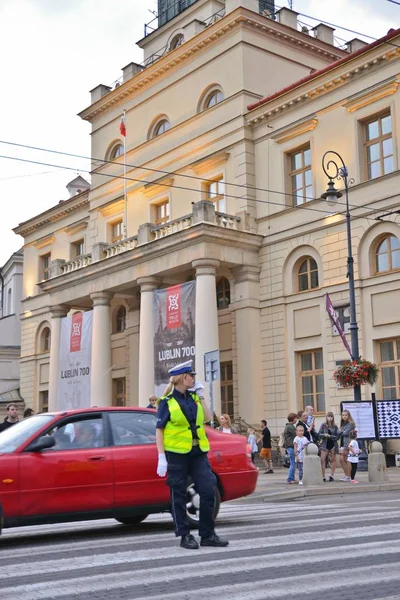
{"points": [[203, 212], [77, 263], [121, 246]]}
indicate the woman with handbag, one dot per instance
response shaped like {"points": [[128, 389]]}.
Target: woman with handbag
{"points": [[329, 434]]}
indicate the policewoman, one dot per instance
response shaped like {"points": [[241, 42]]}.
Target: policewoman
{"points": [[182, 446]]}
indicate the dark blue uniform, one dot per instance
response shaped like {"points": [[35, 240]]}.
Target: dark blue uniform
{"points": [[194, 464]]}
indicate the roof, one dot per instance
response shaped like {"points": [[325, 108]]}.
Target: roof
{"points": [[392, 33]]}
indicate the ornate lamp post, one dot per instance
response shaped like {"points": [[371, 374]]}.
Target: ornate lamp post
{"points": [[335, 168]]}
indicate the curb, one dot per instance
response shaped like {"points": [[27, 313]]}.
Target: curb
{"points": [[317, 491]]}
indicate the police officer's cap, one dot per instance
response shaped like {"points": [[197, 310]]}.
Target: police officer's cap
{"points": [[185, 367]]}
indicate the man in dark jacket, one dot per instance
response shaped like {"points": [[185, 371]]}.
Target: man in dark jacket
{"points": [[289, 434], [11, 418]]}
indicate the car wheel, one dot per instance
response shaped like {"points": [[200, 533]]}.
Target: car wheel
{"points": [[135, 520], [193, 504]]}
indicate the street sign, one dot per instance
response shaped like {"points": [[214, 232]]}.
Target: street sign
{"points": [[212, 372]]}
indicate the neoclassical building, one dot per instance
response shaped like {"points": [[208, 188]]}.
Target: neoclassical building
{"points": [[227, 120]]}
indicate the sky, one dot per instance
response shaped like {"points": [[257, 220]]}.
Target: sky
{"points": [[53, 52]]}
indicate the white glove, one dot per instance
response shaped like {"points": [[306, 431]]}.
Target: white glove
{"points": [[162, 465]]}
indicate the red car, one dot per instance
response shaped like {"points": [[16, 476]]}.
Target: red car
{"points": [[98, 463]]}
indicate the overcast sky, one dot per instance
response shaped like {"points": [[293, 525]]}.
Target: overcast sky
{"points": [[54, 51]]}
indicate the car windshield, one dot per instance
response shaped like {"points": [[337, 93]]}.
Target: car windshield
{"points": [[14, 436]]}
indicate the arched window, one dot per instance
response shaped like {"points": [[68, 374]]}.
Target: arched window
{"points": [[161, 127], [307, 275], [214, 98], [223, 293], [117, 151], [177, 41], [387, 256], [45, 340], [120, 320]]}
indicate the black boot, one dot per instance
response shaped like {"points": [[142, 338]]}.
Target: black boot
{"points": [[189, 542], [214, 540]]}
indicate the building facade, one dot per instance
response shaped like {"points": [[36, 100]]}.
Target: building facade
{"points": [[223, 180]]}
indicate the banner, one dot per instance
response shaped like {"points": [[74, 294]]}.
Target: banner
{"points": [[334, 318], [74, 364], [174, 330]]}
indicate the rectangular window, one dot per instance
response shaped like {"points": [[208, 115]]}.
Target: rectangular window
{"points": [[227, 388], [300, 174], [116, 231], [389, 364], [119, 392], [312, 379], [378, 145], [45, 262], [77, 249], [44, 401], [215, 192], [162, 212]]}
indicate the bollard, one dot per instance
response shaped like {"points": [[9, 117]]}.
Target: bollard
{"points": [[377, 464], [312, 466]]}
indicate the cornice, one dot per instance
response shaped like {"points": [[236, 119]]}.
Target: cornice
{"points": [[319, 89], [365, 98], [114, 208], [76, 227], [43, 242], [186, 52], [53, 215], [212, 162], [294, 131], [161, 186]]}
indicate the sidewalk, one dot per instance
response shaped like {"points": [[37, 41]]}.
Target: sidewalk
{"points": [[273, 487]]}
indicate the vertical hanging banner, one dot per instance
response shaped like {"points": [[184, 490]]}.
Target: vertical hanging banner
{"points": [[75, 358], [174, 330]]}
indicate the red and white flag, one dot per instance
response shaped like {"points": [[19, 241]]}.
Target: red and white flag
{"points": [[122, 126]]}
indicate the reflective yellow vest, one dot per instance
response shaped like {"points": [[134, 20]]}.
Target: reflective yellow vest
{"points": [[177, 433]]}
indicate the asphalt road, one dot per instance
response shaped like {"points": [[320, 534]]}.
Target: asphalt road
{"points": [[330, 548]]}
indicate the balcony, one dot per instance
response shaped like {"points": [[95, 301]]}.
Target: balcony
{"points": [[202, 212]]}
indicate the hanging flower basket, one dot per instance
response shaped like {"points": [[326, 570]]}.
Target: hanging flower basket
{"points": [[356, 372]]}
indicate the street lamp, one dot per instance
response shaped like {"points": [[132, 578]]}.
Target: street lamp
{"points": [[333, 170]]}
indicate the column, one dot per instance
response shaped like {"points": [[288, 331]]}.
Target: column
{"points": [[132, 342], [207, 338], [248, 344], [57, 313], [100, 376], [146, 338]]}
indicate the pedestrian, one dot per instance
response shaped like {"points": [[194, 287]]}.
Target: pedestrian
{"points": [[182, 446], [346, 426], [299, 443], [226, 424], [28, 412], [11, 418], [152, 402], [354, 451], [329, 434], [252, 441], [310, 422], [289, 433], [266, 449], [303, 416]]}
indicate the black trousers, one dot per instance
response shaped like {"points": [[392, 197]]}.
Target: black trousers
{"points": [[353, 470], [196, 465]]}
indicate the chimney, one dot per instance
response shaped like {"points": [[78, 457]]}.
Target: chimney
{"points": [[98, 92], [355, 44], [130, 71], [324, 33], [287, 17]]}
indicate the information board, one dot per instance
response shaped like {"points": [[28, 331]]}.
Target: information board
{"points": [[363, 416], [388, 413]]}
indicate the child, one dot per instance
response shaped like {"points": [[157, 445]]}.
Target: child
{"points": [[251, 440], [299, 443], [354, 451]]}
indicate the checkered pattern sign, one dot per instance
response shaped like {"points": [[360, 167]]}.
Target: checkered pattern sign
{"points": [[388, 414]]}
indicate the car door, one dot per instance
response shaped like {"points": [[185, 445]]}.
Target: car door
{"points": [[135, 460], [74, 476], [9, 484]]}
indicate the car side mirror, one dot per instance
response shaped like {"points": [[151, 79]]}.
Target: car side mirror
{"points": [[46, 441]]}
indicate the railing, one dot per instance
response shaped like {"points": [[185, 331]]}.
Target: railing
{"points": [[227, 221], [172, 227], [121, 246], [77, 263]]}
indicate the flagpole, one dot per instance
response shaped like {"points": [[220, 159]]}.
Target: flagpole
{"points": [[125, 182]]}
